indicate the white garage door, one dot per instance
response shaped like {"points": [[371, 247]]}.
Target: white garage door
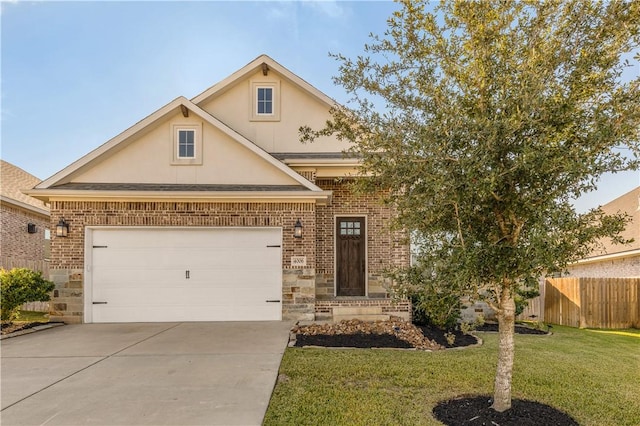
{"points": [[198, 274]]}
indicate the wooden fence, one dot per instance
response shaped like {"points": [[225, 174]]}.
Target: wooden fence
{"points": [[592, 302], [533, 311], [36, 265]]}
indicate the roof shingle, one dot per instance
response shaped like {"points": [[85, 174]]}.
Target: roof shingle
{"points": [[13, 180]]}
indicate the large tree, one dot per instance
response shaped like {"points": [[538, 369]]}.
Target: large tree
{"points": [[483, 120]]}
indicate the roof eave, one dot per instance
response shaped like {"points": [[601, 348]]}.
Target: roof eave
{"points": [[24, 206], [253, 66], [204, 196], [612, 256], [322, 162]]}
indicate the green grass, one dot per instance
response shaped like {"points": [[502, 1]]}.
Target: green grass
{"points": [[33, 316], [593, 375]]}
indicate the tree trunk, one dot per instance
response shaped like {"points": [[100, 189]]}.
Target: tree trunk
{"points": [[506, 349]]}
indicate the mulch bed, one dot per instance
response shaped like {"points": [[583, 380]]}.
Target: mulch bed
{"points": [[438, 336], [519, 329], [355, 340], [476, 410], [395, 333]]}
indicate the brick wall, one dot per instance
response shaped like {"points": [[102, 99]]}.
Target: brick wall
{"points": [[67, 257], [301, 287], [385, 248], [623, 267], [18, 248]]}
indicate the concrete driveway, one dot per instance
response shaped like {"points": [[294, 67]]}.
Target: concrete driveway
{"points": [[142, 374]]}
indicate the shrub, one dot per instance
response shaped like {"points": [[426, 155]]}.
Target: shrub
{"points": [[528, 290], [433, 302], [18, 286]]}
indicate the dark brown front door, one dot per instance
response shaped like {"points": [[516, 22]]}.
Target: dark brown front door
{"points": [[351, 240]]}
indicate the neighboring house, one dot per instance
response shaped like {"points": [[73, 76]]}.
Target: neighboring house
{"points": [[210, 209], [24, 234], [615, 260]]}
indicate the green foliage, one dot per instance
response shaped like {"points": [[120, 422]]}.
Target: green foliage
{"points": [[433, 302], [466, 327], [19, 286], [523, 293], [482, 121]]}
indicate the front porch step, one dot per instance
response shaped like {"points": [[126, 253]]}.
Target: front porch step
{"points": [[372, 317], [363, 313]]}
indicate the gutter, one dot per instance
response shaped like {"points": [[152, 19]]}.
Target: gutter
{"points": [[25, 206], [229, 196], [613, 256]]}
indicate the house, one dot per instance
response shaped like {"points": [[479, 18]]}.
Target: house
{"points": [[615, 260], [210, 209], [24, 234]]}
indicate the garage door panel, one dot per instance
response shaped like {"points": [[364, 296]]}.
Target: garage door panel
{"points": [[165, 258], [225, 291], [246, 313], [132, 277], [184, 238], [142, 275]]}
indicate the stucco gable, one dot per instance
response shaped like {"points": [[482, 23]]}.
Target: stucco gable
{"points": [[253, 67], [296, 103], [143, 154]]}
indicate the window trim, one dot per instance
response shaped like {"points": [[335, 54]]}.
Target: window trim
{"points": [[177, 160], [254, 115]]}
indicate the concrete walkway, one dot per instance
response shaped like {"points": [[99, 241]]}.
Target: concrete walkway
{"points": [[142, 374]]}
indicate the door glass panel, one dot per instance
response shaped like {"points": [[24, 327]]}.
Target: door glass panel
{"points": [[350, 228]]}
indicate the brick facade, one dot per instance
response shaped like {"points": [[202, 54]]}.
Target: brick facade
{"points": [[300, 287], [67, 265], [385, 248], [18, 248], [622, 267]]}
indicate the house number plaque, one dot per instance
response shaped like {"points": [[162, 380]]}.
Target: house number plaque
{"points": [[298, 260]]}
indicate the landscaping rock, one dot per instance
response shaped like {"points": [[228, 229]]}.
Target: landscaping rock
{"points": [[395, 326]]}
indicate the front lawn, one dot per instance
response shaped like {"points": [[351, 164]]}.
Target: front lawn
{"points": [[33, 316], [592, 375]]}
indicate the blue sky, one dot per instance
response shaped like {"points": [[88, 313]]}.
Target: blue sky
{"points": [[76, 74]]}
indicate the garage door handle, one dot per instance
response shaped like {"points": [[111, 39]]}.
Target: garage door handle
{"points": [[272, 301], [99, 303]]}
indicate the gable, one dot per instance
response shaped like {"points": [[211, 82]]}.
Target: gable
{"points": [[232, 149], [142, 162], [296, 104], [150, 159]]}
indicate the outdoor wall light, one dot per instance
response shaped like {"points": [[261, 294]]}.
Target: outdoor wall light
{"points": [[297, 229], [31, 228], [62, 228]]}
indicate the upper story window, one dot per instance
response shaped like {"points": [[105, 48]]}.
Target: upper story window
{"points": [[265, 100], [186, 143]]}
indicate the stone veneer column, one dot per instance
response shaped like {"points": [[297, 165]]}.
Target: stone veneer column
{"points": [[298, 294], [67, 301]]}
